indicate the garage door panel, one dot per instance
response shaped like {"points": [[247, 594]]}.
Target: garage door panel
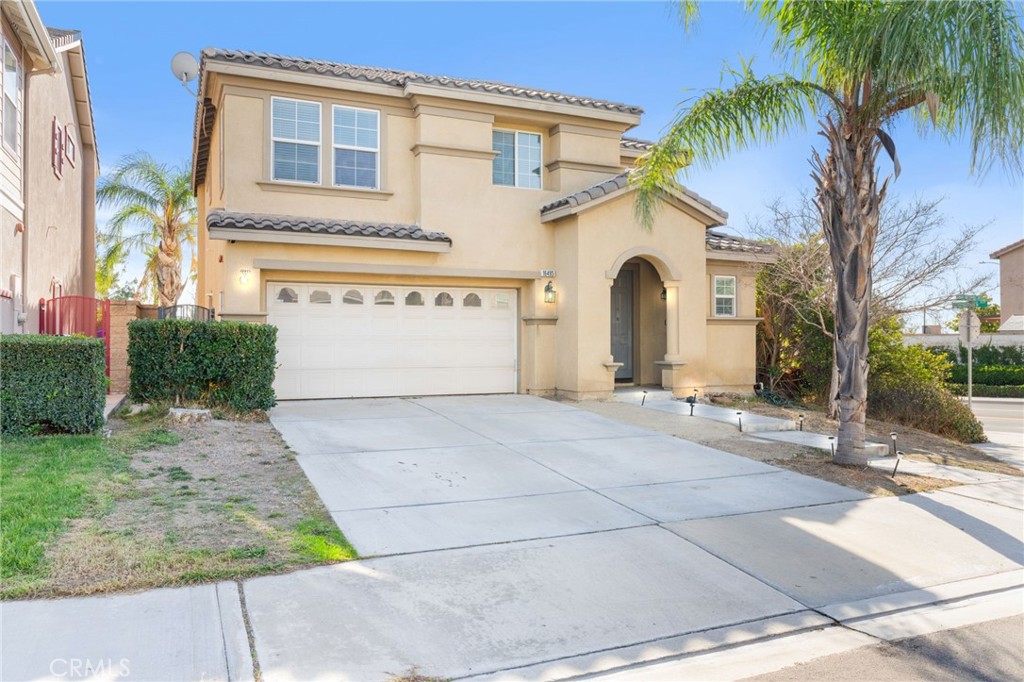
{"points": [[330, 348]]}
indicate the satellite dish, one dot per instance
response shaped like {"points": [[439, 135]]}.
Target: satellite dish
{"points": [[184, 67]]}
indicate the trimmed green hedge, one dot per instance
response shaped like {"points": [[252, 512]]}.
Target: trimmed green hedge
{"points": [[213, 364], [982, 391], [983, 355], [989, 375], [51, 382]]}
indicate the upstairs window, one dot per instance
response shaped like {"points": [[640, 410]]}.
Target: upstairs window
{"points": [[725, 296], [518, 161], [356, 147], [12, 93], [295, 138]]}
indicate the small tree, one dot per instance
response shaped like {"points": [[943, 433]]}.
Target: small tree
{"points": [[916, 263]]}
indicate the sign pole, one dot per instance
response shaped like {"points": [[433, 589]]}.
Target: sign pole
{"points": [[970, 356]]}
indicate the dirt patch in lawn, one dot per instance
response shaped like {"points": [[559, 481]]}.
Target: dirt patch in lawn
{"points": [[799, 458], [197, 502]]}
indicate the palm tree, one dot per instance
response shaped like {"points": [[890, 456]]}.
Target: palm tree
{"points": [[861, 66], [156, 200]]}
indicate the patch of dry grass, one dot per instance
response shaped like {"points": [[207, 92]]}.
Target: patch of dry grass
{"points": [[191, 503]]}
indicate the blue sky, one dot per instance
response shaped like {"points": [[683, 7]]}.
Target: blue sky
{"points": [[633, 52]]}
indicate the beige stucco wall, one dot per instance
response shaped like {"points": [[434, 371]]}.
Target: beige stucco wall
{"points": [[436, 172], [732, 352], [1011, 284], [54, 227], [56, 244], [600, 240]]}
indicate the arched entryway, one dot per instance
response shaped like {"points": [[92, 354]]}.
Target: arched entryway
{"points": [[639, 316]]}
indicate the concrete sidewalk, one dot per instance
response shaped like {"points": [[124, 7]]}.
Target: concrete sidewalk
{"points": [[522, 539]]}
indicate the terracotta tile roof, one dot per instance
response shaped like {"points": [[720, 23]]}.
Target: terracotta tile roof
{"points": [[613, 184], [351, 228], [635, 144], [400, 78], [716, 241]]}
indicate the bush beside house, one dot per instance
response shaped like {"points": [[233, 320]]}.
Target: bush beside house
{"points": [[906, 386], [51, 382], [211, 364]]}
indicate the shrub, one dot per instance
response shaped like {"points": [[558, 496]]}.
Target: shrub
{"points": [[213, 364], [983, 391], [989, 375], [929, 408], [51, 382], [905, 386]]}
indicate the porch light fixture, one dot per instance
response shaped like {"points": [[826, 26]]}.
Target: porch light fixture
{"points": [[243, 275], [664, 294], [549, 292]]}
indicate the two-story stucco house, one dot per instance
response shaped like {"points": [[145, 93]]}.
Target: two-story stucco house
{"points": [[412, 234], [48, 168]]}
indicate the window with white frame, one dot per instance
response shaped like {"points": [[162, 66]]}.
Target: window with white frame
{"points": [[295, 140], [725, 296], [12, 96], [518, 161], [356, 147]]}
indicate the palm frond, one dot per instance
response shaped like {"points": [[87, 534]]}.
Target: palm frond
{"points": [[753, 110], [959, 65]]}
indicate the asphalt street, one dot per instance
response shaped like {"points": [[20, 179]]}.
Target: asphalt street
{"points": [[986, 652], [1003, 419]]}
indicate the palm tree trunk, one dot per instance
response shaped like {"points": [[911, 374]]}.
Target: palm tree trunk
{"points": [[168, 272], [848, 198]]}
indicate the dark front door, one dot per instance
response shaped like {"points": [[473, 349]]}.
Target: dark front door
{"points": [[622, 324]]}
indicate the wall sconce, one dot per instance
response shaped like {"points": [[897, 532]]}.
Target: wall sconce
{"points": [[664, 294], [549, 292], [243, 275]]}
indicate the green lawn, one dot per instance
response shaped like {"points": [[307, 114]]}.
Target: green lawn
{"points": [[45, 482]]}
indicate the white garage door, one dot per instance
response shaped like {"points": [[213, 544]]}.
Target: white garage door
{"points": [[344, 341]]}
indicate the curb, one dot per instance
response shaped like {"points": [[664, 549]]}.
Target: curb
{"points": [[762, 646]]}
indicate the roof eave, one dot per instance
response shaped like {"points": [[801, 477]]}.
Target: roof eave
{"points": [[243, 234], [708, 217], [83, 98], [34, 36], [998, 253], [741, 256], [518, 102]]}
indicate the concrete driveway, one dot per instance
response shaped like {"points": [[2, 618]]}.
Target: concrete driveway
{"points": [[520, 538], [402, 476]]}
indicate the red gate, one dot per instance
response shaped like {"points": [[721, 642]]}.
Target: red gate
{"points": [[67, 315]]}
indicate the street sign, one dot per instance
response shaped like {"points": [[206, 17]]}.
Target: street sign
{"points": [[961, 305]]}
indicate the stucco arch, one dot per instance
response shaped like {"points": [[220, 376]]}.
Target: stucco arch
{"points": [[666, 270]]}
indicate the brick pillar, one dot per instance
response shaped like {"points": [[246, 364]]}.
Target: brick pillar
{"points": [[121, 313]]}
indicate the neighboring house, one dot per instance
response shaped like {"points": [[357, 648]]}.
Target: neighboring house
{"points": [[1011, 281], [412, 234], [48, 168]]}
